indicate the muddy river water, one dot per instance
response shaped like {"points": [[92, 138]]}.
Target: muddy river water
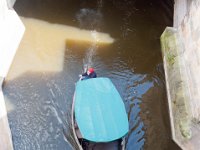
{"points": [[119, 38]]}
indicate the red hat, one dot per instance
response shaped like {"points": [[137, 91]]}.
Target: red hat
{"points": [[91, 70]]}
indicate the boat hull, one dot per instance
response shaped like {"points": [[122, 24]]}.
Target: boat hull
{"points": [[87, 145]]}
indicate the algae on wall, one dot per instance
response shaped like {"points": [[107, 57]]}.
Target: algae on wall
{"points": [[181, 56], [176, 86]]}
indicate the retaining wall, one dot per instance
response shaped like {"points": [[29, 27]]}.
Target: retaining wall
{"points": [[5, 134], [11, 32], [181, 56]]}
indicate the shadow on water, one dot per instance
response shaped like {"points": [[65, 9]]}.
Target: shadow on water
{"points": [[42, 104], [41, 101]]}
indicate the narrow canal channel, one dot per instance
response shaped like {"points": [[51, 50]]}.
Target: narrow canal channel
{"points": [[41, 82]]}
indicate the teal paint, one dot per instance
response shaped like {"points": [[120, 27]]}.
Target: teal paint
{"points": [[99, 110]]}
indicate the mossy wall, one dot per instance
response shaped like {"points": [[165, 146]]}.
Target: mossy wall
{"points": [[175, 79], [181, 57]]}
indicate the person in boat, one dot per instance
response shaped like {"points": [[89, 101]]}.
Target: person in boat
{"points": [[90, 73]]}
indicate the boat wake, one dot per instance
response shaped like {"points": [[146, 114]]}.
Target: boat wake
{"points": [[90, 19], [90, 53]]}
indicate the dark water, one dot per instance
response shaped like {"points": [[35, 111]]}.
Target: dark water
{"points": [[42, 100]]}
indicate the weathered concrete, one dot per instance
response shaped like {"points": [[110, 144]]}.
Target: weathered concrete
{"points": [[11, 29], [181, 56], [11, 3], [180, 10], [11, 32], [190, 37], [5, 134]]}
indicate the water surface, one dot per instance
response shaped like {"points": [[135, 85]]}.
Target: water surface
{"points": [[39, 97]]}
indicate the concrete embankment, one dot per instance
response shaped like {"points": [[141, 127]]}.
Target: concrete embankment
{"points": [[11, 30], [181, 56], [5, 134]]}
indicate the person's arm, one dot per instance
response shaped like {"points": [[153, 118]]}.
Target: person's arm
{"points": [[84, 74]]}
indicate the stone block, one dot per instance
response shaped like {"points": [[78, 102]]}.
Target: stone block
{"points": [[5, 134], [11, 29], [182, 75], [176, 79], [11, 3]]}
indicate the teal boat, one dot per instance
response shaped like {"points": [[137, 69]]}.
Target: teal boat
{"points": [[99, 118]]}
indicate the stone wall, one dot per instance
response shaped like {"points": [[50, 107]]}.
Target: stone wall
{"points": [[11, 3], [181, 56], [180, 10], [178, 97], [5, 134], [190, 36], [11, 32], [11, 29]]}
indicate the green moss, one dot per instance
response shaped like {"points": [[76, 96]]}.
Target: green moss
{"points": [[185, 130], [170, 58], [171, 51]]}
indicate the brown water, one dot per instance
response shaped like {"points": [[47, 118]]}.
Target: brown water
{"points": [[40, 84]]}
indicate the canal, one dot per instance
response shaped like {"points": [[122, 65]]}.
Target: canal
{"points": [[41, 82]]}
